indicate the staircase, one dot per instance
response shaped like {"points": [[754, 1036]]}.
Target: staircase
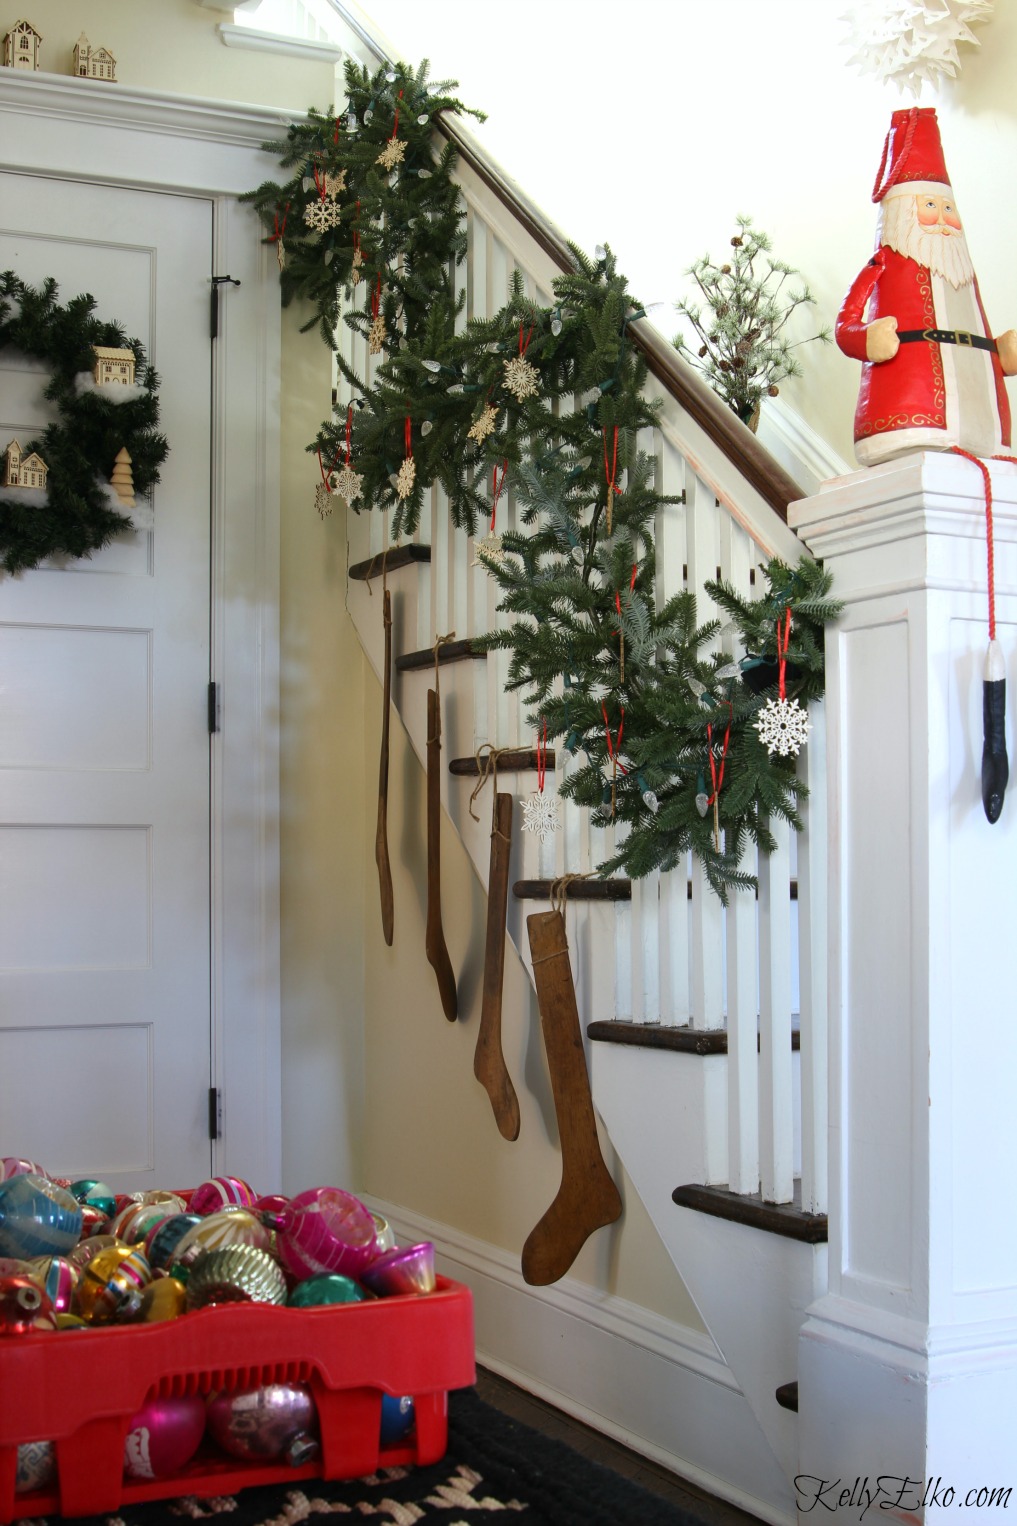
{"points": [[706, 1028]]}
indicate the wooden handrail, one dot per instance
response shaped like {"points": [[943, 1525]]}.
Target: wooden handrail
{"points": [[676, 376]]}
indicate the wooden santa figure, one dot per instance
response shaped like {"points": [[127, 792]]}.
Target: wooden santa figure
{"points": [[932, 374]]}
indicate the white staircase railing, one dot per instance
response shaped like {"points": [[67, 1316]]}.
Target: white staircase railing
{"points": [[671, 955]]}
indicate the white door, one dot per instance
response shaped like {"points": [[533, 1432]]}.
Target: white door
{"points": [[105, 1026]]}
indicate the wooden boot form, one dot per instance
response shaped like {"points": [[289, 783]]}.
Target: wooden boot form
{"points": [[488, 1061], [587, 1198]]}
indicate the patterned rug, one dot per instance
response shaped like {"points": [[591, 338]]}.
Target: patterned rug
{"points": [[494, 1466]]}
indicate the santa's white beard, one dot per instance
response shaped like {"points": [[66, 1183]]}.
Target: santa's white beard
{"points": [[945, 255]]}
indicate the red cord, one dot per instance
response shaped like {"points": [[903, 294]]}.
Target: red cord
{"points": [[990, 552]]}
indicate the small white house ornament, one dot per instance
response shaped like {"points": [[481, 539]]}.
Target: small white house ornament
{"points": [[113, 367], [93, 63], [21, 46]]}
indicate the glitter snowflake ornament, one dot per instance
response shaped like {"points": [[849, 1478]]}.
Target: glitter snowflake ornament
{"points": [[521, 378], [484, 425], [391, 154], [348, 484], [783, 727], [322, 215], [406, 478], [912, 42], [377, 335], [323, 500], [540, 815]]}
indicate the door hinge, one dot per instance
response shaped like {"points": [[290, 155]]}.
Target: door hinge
{"points": [[218, 281], [213, 707], [214, 1113]]}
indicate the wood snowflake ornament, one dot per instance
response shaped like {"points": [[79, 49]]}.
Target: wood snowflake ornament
{"points": [[323, 500], [521, 379], [490, 552], [348, 484], [392, 154], [484, 425], [377, 335], [406, 478], [358, 260], [322, 215]]}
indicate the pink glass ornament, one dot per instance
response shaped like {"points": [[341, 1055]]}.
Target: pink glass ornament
{"points": [[134, 1222], [408, 1269], [263, 1422], [275, 1202], [16, 1165], [214, 1194], [324, 1230], [163, 1436]]}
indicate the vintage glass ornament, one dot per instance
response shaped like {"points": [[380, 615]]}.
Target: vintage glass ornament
{"points": [[172, 1202], [384, 1237], [25, 1308], [164, 1298], [83, 1252], [328, 1288], [112, 1284], [219, 1230], [163, 1436], [17, 1165], [14, 1266], [163, 1238], [59, 1277], [324, 1230], [36, 1466], [93, 1221], [214, 1194], [88, 1190], [408, 1269], [37, 1218], [397, 1418], [236, 1274], [262, 1423], [133, 1223]]}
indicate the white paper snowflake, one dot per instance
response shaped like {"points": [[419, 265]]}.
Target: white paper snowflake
{"points": [[484, 425], [377, 335], [912, 42], [490, 551], [540, 815], [348, 484], [783, 727], [406, 478], [521, 378], [391, 154], [322, 501], [322, 215]]}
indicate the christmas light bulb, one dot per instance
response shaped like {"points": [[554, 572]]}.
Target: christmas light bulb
{"points": [[307, 184], [556, 325], [390, 75], [729, 670], [457, 388], [351, 121], [423, 119], [702, 802], [431, 365], [368, 116], [424, 174], [600, 252], [650, 801], [426, 427]]}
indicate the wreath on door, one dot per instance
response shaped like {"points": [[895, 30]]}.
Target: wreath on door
{"points": [[69, 489]]}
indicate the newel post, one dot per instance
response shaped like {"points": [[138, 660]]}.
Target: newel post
{"points": [[908, 1365]]}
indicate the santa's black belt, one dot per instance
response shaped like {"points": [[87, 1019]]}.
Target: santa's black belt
{"points": [[948, 336]]}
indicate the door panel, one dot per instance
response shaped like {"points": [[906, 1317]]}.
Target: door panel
{"points": [[105, 1029]]}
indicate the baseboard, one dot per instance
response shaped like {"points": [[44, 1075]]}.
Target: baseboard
{"points": [[657, 1387]]}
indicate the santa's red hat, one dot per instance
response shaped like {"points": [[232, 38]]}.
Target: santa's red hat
{"points": [[912, 152]]}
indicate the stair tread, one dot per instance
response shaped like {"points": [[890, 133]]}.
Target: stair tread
{"points": [[510, 760], [577, 890], [748, 1208], [787, 1396], [399, 556], [451, 651], [685, 1039]]}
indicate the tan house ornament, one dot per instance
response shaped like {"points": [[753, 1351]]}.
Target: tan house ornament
{"points": [[23, 471], [114, 367], [21, 46], [93, 63]]}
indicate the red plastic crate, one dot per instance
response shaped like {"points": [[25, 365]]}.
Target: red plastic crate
{"points": [[80, 1388]]}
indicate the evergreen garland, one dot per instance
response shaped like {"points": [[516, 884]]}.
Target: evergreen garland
{"points": [[666, 728], [93, 424]]}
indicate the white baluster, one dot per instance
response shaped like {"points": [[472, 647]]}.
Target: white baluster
{"points": [[776, 1132]]}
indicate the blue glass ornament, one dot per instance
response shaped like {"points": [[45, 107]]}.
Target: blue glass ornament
{"points": [[37, 1218]]}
